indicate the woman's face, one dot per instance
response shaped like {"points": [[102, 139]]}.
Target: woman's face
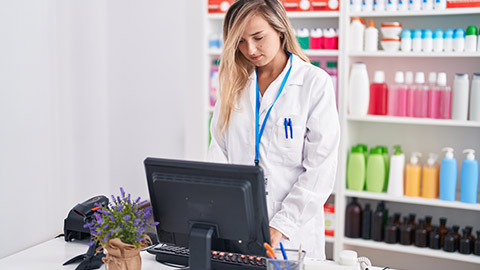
{"points": [[259, 43]]}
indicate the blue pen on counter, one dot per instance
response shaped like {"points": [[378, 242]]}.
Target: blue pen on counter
{"points": [[291, 129], [285, 256], [285, 123]]}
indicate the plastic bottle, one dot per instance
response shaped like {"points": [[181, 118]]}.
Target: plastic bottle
{"points": [[442, 230], [412, 179], [402, 5], [378, 227], [375, 171], [367, 6], [386, 162], [353, 219], [433, 100], [416, 5], [371, 37], [417, 41], [356, 169], [459, 40], [410, 93], [406, 232], [440, 4], [329, 210], [448, 40], [435, 97], [406, 42], [448, 176], [421, 239], [471, 39], [391, 5], [391, 232], [445, 96], [357, 32], [378, 94], [355, 5], [420, 92], [330, 39], [316, 39], [469, 178], [427, 5], [427, 40], [398, 96], [475, 98], [460, 97], [379, 5], [367, 222], [395, 180], [438, 40], [303, 37], [359, 94], [431, 178]]}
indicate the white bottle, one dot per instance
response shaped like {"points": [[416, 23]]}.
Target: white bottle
{"points": [[416, 5], [448, 40], [427, 5], [471, 39], [417, 41], [371, 37], [379, 5], [406, 42], [356, 5], [459, 40], [440, 4], [438, 40], [475, 98], [359, 90], [402, 5], [395, 177], [391, 5], [409, 78], [460, 97], [427, 40], [357, 32], [367, 6]]}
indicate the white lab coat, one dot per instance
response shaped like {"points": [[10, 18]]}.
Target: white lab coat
{"points": [[300, 172]]}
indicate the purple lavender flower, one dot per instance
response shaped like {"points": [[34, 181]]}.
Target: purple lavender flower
{"points": [[139, 239], [105, 226], [113, 199], [155, 223], [138, 199], [119, 208], [122, 192], [117, 229], [91, 243], [144, 202], [127, 217], [112, 218]]}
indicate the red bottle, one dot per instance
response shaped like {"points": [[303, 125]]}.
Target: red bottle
{"points": [[378, 95]]}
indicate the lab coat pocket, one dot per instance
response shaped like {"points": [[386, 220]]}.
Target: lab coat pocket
{"points": [[289, 133]]}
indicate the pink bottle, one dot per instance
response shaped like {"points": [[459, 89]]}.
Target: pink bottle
{"points": [[410, 95], [420, 93], [434, 100], [445, 97], [432, 84], [378, 94], [398, 97]]}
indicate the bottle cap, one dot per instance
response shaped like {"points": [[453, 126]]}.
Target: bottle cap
{"points": [[471, 30], [419, 77], [432, 157], [461, 76], [432, 77], [427, 33], [376, 150], [398, 150], [303, 32], [364, 147], [409, 77], [379, 76], [329, 32], [476, 76], [442, 79], [438, 33], [331, 64], [443, 220], [359, 65], [371, 23], [316, 32], [470, 154], [406, 34], [449, 152], [384, 149], [414, 157], [459, 33], [448, 33], [417, 33], [357, 149], [399, 77]]}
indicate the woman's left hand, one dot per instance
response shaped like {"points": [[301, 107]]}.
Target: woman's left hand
{"points": [[275, 237]]}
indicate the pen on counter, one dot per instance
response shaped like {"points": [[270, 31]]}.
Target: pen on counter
{"points": [[285, 123], [270, 249], [285, 256], [291, 129]]}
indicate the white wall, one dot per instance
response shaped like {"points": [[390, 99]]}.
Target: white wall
{"points": [[88, 89]]}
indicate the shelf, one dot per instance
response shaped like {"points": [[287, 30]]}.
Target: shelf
{"points": [[291, 15], [413, 250], [412, 200], [413, 121], [420, 13], [321, 52], [415, 54], [329, 239]]}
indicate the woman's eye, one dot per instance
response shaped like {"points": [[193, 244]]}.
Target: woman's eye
{"points": [[241, 41], [258, 38]]}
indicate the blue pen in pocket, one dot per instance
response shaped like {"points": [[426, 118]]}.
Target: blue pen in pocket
{"points": [[285, 123], [291, 129]]}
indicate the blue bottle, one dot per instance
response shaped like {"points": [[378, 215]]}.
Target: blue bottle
{"points": [[448, 176], [469, 178]]}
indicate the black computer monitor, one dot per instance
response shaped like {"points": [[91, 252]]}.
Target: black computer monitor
{"points": [[205, 206]]}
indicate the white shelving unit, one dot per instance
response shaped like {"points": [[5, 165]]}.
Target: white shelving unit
{"points": [[414, 134]]}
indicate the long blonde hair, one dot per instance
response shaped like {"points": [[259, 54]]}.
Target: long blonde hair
{"points": [[234, 67]]}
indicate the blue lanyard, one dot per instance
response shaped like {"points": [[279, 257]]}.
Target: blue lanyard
{"points": [[258, 135]]}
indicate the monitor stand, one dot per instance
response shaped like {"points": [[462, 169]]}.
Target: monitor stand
{"points": [[200, 246]]}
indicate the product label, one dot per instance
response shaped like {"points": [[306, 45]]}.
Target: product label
{"points": [[329, 210], [297, 5], [218, 6], [324, 5], [463, 3]]}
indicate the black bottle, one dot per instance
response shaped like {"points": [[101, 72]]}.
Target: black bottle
{"points": [[353, 219], [434, 239], [377, 222], [469, 235], [457, 236], [421, 239], [406, 233], [476, 249], [449, 243], [442, 230], [367, 222], [465, 243], [412, 223], [391, 231]]}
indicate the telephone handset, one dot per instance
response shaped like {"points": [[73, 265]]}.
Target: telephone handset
{"points": [[347, 261]]}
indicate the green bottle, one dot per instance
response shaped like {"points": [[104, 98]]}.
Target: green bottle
{"points": [[376, 170], [387, 165], [365, 151], [356, 169]]}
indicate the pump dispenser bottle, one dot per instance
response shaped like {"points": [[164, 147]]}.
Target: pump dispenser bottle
{"points": [[398, 96], [448, 176], [430, 179], [412, 180], [469, 178], [395, 179]]}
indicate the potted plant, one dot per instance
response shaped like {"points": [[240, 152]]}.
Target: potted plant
{"points": [[120, 230]]}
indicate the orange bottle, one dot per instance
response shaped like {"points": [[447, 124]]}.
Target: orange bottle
{"points": [[431, 178], [412, 176]]}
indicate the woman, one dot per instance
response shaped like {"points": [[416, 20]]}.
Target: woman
{"points": [[276, 110]]}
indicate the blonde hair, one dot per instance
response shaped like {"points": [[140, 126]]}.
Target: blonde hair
{"points": [[234, 67]]}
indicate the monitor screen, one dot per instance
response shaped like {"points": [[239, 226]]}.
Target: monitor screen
{"points": [[228, 200]]}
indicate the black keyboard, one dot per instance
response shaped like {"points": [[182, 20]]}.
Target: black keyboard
{"points": [[220, 260]]}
